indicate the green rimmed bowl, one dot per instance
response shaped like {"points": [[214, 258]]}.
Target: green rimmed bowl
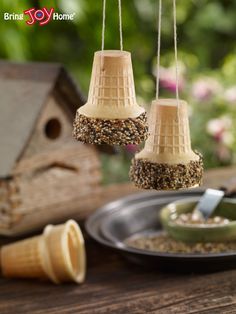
{"points": [[200, 233]]}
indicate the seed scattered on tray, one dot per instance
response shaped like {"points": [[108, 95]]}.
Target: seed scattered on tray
{"points": [[161, 242], [111, 132], [150, 175], [197, 220]]}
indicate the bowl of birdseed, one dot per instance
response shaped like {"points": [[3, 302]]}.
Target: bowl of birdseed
{"points": [[183, 224]]}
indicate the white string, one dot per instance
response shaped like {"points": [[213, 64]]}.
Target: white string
{"points": [[120, 25], [103, 23], [176, 53], [175, 49], [158, 49]]}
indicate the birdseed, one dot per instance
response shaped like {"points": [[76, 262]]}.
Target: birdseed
{"points": [[198, 220], [111, 132], [150, 175], [163, 243]]}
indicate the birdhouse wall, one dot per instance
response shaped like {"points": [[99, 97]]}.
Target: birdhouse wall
{"points": [[53, 127], [9, 201], [53, 184], [50, 179]]}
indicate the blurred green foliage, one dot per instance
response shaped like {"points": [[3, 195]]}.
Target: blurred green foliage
{"points": [[207, 54]]}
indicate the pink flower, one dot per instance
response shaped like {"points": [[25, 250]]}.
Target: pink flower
{"points": [[205, 88], [221, 130], [230, 95], [168, 78]]}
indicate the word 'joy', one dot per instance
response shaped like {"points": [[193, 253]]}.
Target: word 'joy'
{"points": [[43, 16]]}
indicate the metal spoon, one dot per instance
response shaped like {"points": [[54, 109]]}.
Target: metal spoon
{"points": [[207, 204]]}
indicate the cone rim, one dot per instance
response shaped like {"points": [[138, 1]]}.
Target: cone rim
{"points": [[170, 158], [79, 275], [108, 113], [169, 102], [112, 53]]}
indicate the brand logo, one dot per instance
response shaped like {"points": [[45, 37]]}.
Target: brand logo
{"points": [[43, 16]]}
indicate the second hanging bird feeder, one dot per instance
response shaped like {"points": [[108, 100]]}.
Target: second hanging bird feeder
{"points": [[111, 114], [167, 161]]}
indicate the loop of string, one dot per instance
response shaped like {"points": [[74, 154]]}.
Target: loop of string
{"points": [[158, 49], [120, 25], [175, 51], [104, 24]]}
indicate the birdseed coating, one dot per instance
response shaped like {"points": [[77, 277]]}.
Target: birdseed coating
{"points": [[111, 132], [149, 175], [162, 242]]}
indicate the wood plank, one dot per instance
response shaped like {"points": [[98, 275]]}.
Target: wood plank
{"points": [[216, 177], [113, 286]]}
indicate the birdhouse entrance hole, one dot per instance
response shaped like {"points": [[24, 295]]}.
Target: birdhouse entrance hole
{"points": [[53, 129]]}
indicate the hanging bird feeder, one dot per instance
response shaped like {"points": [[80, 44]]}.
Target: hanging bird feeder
{"points": [[167, 161], [111, 114]]}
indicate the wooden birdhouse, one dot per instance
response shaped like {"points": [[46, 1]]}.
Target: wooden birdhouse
{"points": [[45, 175]]}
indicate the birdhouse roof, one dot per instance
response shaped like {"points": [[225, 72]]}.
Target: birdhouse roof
{"points": [[24, 88]]}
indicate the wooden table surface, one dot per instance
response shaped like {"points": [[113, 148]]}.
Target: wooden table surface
{"points": [[116, 286]]}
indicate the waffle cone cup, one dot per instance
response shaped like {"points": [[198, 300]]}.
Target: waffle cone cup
{"points": [[112, 91], [167, 160], [111, 114], [169, 134], [58, 255]]}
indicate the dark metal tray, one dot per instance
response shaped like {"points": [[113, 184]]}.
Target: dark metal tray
{"points": [[112, 224]]}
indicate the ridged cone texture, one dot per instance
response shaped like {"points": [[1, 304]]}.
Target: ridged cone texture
{"points": [[58, 254], [169, 135], [112, 90], [23, 258]]}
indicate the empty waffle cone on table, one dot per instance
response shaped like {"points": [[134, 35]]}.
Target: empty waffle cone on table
{"points": [[58, 255], [167, 161], [111, 114]]}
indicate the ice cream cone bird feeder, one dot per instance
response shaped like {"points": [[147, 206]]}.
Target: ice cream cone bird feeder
{"points": [[111, 114], [167, 161], [57, 255]]}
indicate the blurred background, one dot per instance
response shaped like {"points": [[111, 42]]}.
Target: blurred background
{"points": [[207, 61]]}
